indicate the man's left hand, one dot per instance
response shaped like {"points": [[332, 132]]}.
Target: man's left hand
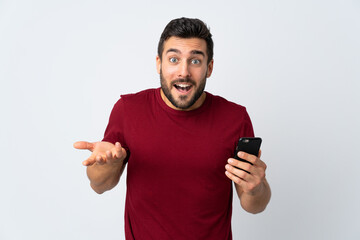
{"points": [[249, 177]]}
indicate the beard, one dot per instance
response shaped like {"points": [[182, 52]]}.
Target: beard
{"points": [[184, 102]]}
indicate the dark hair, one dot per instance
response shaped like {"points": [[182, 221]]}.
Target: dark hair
{"points": [[187, 28]]}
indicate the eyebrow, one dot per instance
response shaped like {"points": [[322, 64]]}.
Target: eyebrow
{"points": [[194, 52]]}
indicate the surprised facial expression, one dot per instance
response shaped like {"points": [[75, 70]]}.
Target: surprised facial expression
{"points": [[183, 71]]}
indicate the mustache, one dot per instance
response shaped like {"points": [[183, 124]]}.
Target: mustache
{"points": [[183, 80]]}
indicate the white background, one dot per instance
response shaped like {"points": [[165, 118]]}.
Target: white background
{"points": [[293, 64]]}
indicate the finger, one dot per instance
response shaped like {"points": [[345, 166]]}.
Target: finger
{"points": [[240, 173], [234, 178], [248, 157], [100, 160], [256, 170], [90, 161], [117, 151], [259, 155], [83, 145], [259, 163], [252, 159], [109, 155], [245, 166], [247, 186]]}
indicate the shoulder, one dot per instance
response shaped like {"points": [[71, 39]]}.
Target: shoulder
{"points": [[134, 103], [221, 104], [139, 96], [233, 116]]}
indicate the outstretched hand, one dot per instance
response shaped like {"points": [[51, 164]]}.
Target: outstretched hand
{"points": [[102, 152]]}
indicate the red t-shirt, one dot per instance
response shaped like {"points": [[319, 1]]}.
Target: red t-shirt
{"points": [[176, 182]]}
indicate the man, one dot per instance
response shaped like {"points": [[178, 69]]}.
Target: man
{"points": [[178, 142]]}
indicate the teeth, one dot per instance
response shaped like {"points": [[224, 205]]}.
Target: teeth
{"points": [[183, 85]]}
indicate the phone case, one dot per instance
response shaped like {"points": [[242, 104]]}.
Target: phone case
{"points": [[248, 145]]}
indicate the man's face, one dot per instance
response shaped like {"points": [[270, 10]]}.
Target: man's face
{"points": [[183, 71]]}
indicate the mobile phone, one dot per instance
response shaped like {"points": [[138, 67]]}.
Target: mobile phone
{"points": [[248, 145]]}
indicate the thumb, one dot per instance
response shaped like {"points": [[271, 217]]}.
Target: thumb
{"points": [[84, 145]]}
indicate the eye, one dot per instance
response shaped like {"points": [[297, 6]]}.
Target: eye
{"points": [[173, 60], [195, 61]]}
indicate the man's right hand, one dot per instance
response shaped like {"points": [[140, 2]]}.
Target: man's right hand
{"points": [[102, 152]]}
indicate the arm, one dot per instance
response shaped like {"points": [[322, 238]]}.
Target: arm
{"points": [[105, 165], [252, 187]]}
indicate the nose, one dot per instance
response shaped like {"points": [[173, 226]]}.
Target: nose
{"points": [[184, 70]]}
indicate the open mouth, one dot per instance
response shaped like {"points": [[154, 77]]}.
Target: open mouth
{"points": [[183, 87]]}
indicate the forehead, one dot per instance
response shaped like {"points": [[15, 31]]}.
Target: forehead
{"points": [[185, 45]]}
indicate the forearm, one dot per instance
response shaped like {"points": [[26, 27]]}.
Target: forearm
{"points": [[256, 202], [104, 177]]}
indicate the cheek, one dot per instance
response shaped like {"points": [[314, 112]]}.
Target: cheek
{"points": [[168, 72], [200, 73]]}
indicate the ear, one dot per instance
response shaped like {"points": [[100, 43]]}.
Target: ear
{"points": [[210, 68], [158, 64]]}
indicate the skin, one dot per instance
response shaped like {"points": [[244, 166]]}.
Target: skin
{"points": [[184, 59], [184, 63], [251, 187], [105, 165]]}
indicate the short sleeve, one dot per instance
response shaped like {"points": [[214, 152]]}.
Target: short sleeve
{"points": [[115, 130], [246, 126]]}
